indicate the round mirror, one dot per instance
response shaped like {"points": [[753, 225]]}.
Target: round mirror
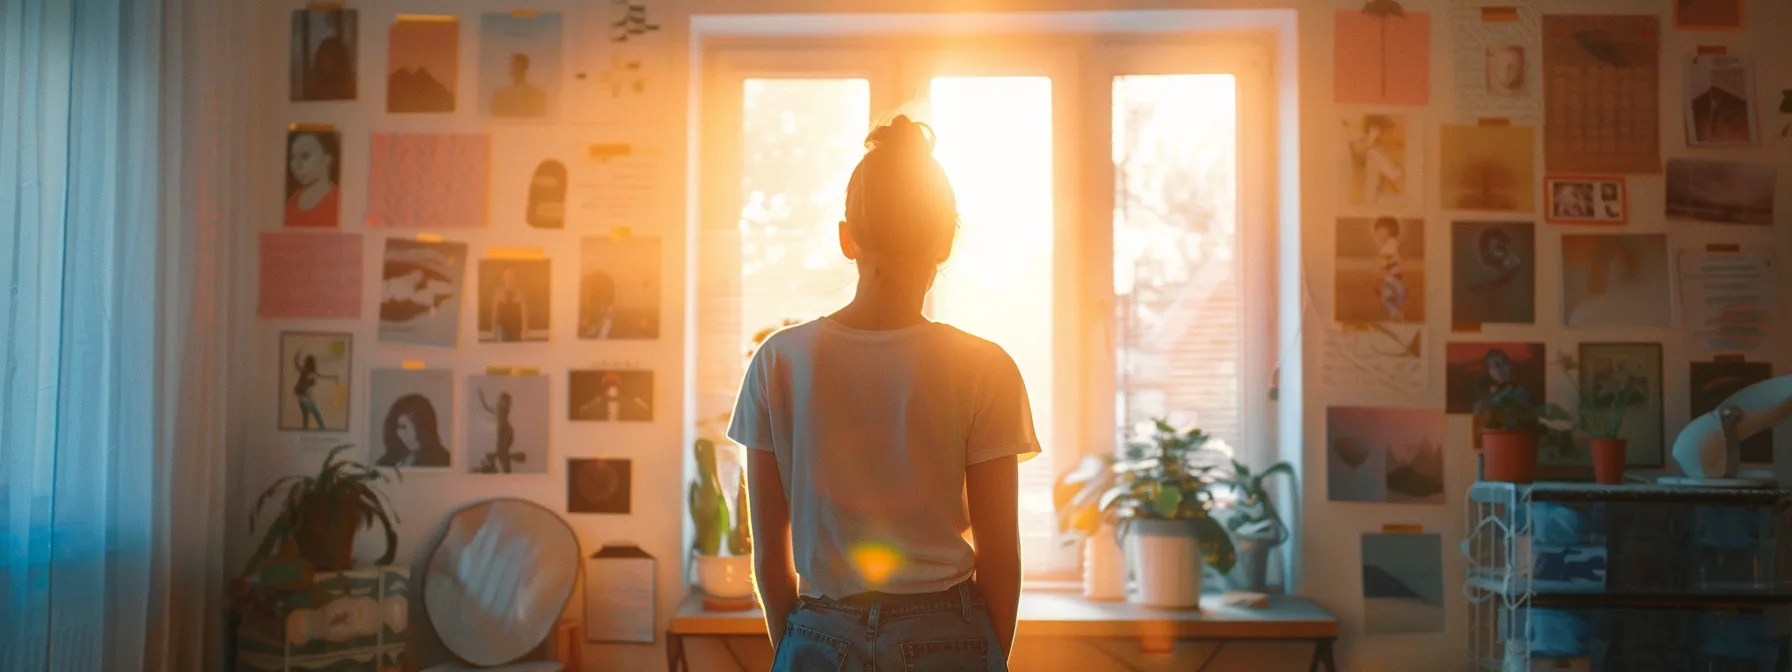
{"points": [[499, 578]]}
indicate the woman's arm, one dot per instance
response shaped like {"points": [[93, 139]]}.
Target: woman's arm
{"points": [[992, 490], [774, 573]]}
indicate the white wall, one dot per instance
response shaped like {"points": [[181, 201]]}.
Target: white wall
{"points": [[1327, 551]]}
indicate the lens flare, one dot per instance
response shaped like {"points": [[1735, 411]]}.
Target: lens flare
{"points": [[875, 562]]}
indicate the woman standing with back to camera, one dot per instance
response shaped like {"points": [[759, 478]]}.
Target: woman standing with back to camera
{"points": [[877, 439]]}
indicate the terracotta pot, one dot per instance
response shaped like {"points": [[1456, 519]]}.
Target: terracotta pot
{"points": [[328, 541], [1511, 457], [1608, 460]]}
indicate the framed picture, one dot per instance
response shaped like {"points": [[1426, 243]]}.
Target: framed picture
{"points": [[1585, 199], [1606, 368], [315, 374]]}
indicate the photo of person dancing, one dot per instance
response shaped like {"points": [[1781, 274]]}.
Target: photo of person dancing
{"points": [[499, 461], [308, 377]]}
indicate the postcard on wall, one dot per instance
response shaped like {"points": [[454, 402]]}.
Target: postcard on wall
{"points": [[1493, 279], [1720, 101], [1586, 199], [420, 292], [316, 374], [619, 287], [413, 418], [1602, 106], [1708, 14], [625, 396], [423, 63], [324, 54], [615, 186], [597, 486], [1721, 192], [310, 275], [619, 80], [619, 593], [507, 424], [1730, 302], [520, 56], [1616, 280], [513, 300], [1488, 167], [1378, 161], [313, 177], [1715, 382], [1609, 369], [1476, 370], [1377, 358], [1403, 583], [1382, 58], [1498, 57], [531, 177], [1380, 270], [428, 180], [1393, 455]]}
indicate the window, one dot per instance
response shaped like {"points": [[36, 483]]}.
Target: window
{"points": [[1104, 196]]}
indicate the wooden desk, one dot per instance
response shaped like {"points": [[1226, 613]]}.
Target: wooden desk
{"points": [[1045, 614]]}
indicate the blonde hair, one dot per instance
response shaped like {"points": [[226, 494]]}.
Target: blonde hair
{"points": [[900, 208]]}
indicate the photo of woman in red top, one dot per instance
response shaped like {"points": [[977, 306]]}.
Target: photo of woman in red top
{"points": [[312, 199]]}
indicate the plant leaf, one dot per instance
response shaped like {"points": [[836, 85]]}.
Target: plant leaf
{"points": [[1168, 500], [1216, 545]]}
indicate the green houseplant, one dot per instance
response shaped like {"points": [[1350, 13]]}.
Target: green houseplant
{"points": [[1256, 527], [1510, 427], [1162, 499], [1604, 401]]}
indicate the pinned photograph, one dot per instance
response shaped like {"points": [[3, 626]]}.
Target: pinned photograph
{"points": [[1507, 75], [1403, 583], [420, 292], [619, 287], [507, 424], [1610, 280], [313, 173], [1708, 14], [1713, 383], [1381, 57], [1474, 371], [315, 380], [1384, 455], [1490, 168], [519, 64], [413, 415], [625, 396], [1380, 270], [422, 63], [546, 208], [597, 486], [1379, 159], [1721, 192], [513, 300], [1720, 101], [323, 54], [1494, 273], [1608, 369], [1573, 199]]}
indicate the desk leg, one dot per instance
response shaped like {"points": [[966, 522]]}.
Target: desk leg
{"points": [[674, 652], [1322, 654]]}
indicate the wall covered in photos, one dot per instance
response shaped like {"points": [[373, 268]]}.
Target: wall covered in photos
{"points": [[469, 201]]}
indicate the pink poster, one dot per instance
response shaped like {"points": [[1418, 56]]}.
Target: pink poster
{"points": [[1382, 57], [310, 275], [429, 180]]}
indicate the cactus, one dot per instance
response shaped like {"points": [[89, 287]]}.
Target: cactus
{"points": [[709, 508], [740, 540]]}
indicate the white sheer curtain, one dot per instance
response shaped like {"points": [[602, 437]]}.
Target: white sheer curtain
{"points": [[111, 438]]}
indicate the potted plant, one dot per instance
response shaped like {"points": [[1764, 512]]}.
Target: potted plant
{"points": [[1510, 427], [313, 530], [1255, 525], [1077, 499], [728, 577], [1162, 499], [1602, 409]]}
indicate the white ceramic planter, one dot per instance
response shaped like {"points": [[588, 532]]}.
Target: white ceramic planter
{"points": [[1104, 567], [1166, 563], [725, 576]]}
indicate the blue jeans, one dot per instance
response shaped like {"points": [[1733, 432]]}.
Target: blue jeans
{"points": [[947, 631]]}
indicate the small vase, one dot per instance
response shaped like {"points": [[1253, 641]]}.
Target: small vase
{"points": [[326, 541], [1608, 460], [1511, 457], [1104, 567], [1252, 571], [728, 577], [1166, 563]]}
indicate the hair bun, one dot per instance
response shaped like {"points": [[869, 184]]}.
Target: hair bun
{"points": [[902, 134]]}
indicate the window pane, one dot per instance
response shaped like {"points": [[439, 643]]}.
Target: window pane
{"points": [[800, 140], [995, 141], [1178, 321]]}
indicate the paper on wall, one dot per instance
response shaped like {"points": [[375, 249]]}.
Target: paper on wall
{"points": [[619, 595], [428, 180], [1377, 358], [1729, 300], [620, 78], [615, 188], [310, 275], [1498, 61]]}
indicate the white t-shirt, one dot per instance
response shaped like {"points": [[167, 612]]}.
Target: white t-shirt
{"points": [[872, 432]]}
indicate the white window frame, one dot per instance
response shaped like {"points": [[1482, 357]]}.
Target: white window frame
{"points": [[1082, 68]]}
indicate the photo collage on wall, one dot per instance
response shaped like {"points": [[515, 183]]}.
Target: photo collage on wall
{"points": [[456, 273]]}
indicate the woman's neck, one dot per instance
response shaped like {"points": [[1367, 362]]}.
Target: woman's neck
{"points": [[886, 300]]}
